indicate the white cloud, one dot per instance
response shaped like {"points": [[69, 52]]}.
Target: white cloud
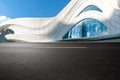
{"points": [[4, 18]]}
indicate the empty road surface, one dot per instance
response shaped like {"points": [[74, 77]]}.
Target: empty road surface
{"points": [[60, 61]]}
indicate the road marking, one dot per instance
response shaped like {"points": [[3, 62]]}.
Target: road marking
{"points": [[62, 47]]}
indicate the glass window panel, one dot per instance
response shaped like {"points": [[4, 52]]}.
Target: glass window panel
{"points": [[91, 7], [87, 28], [3, 33]]}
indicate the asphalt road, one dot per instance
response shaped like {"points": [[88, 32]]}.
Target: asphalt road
{"points": [[60, 61]]}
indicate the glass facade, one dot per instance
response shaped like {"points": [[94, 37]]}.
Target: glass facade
{"points": [[3, 33], [91, 7], [89, 28], [2, 37]]}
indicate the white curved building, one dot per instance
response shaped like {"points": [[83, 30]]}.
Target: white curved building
{"points": [[90, 20]]}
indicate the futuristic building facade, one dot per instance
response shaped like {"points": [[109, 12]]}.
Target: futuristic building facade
{"points": [[88, 20]]}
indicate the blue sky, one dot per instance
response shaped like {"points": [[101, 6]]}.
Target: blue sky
{"points": [[31, 8]]}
